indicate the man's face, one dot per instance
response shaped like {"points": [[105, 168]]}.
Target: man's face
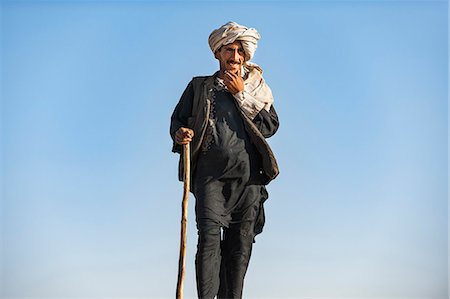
{"points": [[231, 57]]}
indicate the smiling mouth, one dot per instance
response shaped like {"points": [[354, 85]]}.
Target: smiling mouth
{"points": [[233, 63]]}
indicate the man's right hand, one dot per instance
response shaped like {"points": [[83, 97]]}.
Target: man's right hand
{"points": [[184, 136]]}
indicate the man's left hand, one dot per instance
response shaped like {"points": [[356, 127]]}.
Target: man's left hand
{"points": [[234, 82]]}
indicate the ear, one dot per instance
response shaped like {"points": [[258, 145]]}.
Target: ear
{"points": [[216, 54]]}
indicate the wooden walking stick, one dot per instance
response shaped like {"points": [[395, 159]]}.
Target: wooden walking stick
{"points": [[184, 212]]}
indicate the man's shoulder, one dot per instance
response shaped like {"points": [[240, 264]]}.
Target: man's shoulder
{"points": [[200, 78], [198, 81]]}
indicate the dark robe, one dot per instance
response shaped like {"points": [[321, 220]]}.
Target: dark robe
{"points": [[228, 186], [227, 165]]}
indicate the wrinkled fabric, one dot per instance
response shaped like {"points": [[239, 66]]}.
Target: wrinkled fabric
{"points": [[231, 163], [228, 197], [221, 262], [227, 163], [192, 112], [231, 32], [256, 95]]}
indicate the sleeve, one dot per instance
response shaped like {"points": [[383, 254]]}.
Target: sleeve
{"points": [[180, 115], [267, 122], [249, 104]]}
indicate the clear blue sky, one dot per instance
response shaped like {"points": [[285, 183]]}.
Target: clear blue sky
{"points": [[90, 197]]}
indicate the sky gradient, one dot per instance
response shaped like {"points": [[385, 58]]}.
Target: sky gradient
{"points": [[90, 202]]}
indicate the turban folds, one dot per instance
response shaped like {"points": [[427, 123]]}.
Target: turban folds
{"points": [[231, 32]]}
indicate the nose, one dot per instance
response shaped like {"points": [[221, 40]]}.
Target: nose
{"points": [[236, 55]]}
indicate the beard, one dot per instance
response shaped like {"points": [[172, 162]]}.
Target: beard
{"points": [[233, 66]]}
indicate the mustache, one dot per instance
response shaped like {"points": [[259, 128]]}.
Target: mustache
{"points": [[234, 61]]}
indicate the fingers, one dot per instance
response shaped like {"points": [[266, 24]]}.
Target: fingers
{"points": [[230, 76], [184, 136], [234, 82], [182, 140]]}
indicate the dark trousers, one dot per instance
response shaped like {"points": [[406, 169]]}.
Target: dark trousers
{"points": [[222, 259]]}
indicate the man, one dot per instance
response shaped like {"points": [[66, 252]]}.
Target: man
{"points": [[227, 117]]}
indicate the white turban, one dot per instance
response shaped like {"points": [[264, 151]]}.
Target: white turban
{"points": [[231, 32]]}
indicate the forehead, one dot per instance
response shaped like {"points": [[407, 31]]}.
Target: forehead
{"points": [[234, 45]]}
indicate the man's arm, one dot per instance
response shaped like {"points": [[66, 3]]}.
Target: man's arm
{"points": [[178, 123], [267, 122]]}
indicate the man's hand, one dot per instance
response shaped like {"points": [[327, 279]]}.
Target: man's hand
{"points": [[184, 136], [234, 82]]}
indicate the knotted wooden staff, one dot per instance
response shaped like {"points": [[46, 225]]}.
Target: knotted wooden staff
{"points": [[184, 212]]}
